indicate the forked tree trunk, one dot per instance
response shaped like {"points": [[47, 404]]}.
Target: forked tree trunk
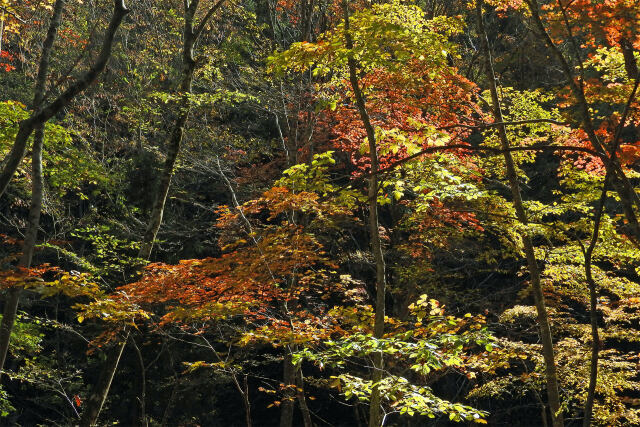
{"points": [[40, 117], [10, 309], [619, 181], [191, 34], [375, 413], [534, 270]]}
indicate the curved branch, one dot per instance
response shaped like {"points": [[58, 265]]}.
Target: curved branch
{"points": [[13, 159], [206, 18]]}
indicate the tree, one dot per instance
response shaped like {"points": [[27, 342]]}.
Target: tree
{"points": [[191, 34], [534, 271], [11, 303], [36, 123], [46, 112], [358, 213]]}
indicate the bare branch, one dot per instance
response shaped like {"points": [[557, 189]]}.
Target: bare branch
{"points": [[498, 124], [15, 15], [206, 18]]}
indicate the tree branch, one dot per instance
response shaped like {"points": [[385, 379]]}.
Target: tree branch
{"points": [[15, 16], [13, 159], [206, 18], [498, 124]]}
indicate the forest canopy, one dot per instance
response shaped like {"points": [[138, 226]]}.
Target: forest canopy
{"points": [[319, 212]]}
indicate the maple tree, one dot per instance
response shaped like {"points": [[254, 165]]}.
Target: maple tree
{"points": [[312, 212]]}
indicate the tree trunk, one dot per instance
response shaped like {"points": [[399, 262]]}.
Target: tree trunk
{"points": [[157, 212], [190, 37], [632, 69], [175, 142], [246, 402], [11, 304], [1, 29], [138, 412], [13, 297], [593, 306], [375, 414], [288, 379], [619, 181], [27, 127], [534, 271], [94, 403], [302, 402]]}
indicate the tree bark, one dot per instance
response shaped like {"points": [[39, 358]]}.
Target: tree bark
{"points": [[10, 309], [177, 134], [302, 402], [11, 304], [375, 414], [27, 127], [190, 37], [94, 403], [1, 29], [288, 379], [619, 181], [246, 402], [534, 270], [139, 413], [593, 306]]}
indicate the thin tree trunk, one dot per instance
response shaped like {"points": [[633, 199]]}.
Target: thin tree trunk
{"points": [[632, 71], [167, 411], [288, 379], [375, 414], [94, 403], [620, 182], [13, 297], [593, 306], [302, 402], [139, 411], [190, 37], [175, 142], [246, 402], [40, 117], [534, 271], [1, 29]]}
